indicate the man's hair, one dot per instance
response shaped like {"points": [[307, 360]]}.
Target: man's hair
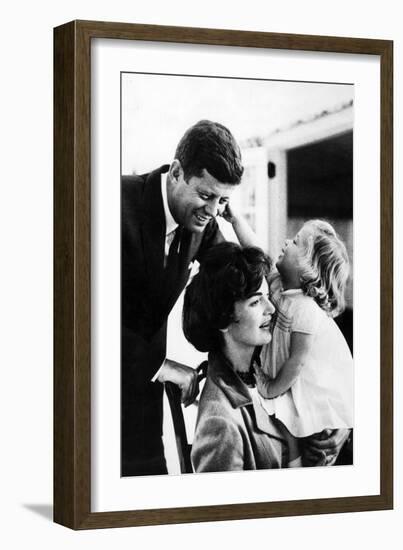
{"points": [[210, 145], [324, 266], [227, 274]]}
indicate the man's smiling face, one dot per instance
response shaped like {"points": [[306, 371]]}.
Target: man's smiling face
{"points": [[195, 202]]}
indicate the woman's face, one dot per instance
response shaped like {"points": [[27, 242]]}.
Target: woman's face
{"points": [[251, 326]]}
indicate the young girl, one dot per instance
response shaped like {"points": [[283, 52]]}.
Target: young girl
{"points": [[306, 377]]}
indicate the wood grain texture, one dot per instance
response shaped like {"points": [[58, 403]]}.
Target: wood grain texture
{"points": [[72, 268], [387, 273], [193, 35], [64, 344], [72, 218]]}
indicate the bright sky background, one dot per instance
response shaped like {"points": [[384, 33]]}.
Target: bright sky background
{"points": [[158, 109]]}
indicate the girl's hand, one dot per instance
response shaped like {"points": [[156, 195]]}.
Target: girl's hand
{"points": [[229, 214], [245, 234]]}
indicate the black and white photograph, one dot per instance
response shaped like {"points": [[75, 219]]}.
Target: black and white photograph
{"points": [[237, 267], [183, 366]]}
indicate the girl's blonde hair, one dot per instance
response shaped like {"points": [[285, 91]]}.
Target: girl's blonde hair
{"points": [[324, 266]]}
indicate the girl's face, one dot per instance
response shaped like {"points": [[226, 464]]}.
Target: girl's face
{"points": [[251, 326], [288, 263]]}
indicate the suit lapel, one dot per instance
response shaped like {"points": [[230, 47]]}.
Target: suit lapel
{"points": [[153, 233], [239, 395], [153, 229], [188, 246]]}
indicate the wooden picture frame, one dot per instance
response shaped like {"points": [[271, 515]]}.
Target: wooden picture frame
{"points": [[72, 272]]}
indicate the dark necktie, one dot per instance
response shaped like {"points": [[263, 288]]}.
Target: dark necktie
{"points": [[171, 271], [172, 268], [173, 253]]}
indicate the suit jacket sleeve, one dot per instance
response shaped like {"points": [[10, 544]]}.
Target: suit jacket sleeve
{"points": [[143, 325]]}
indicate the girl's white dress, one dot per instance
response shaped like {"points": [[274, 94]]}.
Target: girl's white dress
{"points": [[322, 396]]}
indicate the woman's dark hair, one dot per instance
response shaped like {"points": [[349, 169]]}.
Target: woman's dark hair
{"points": [[227, 274], [211, 146]]}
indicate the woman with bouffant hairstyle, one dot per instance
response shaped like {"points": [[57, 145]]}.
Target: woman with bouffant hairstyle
{"points": [[227, 312], [229, 274]]}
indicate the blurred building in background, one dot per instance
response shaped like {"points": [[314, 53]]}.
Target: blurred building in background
{"points": [[300, 172]]}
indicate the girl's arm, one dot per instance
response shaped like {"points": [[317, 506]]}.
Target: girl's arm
{"points": [[245, 234], [300, 346]]}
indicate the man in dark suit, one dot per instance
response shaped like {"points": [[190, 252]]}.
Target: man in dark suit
{"points": [[168, 221]]}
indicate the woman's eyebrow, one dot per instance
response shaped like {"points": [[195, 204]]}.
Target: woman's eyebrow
{"points": [[258, 293]]}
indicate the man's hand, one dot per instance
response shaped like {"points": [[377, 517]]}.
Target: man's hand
{"points": [[183, 376], [323, 449]]}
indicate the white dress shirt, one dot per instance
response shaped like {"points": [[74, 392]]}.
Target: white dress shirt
{"points": [[170, 223], [170, 228]]}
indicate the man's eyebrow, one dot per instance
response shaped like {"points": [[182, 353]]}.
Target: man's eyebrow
{"points": [[204, 191], [211, 193]]}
